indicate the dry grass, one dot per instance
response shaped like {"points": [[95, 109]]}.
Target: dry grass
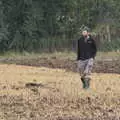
{"points": [[60, 94], [60, 55], [12, 75]]}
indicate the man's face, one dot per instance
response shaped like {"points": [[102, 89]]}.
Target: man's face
{"points": [[85, 33]]}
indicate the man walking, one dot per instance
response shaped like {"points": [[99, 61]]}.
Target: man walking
{"points": [[85, 56]]}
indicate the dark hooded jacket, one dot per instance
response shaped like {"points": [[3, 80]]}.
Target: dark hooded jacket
{"points": [[86, 48]]}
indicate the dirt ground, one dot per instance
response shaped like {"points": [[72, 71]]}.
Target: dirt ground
{"points": [[40, 93], [102, 65]]}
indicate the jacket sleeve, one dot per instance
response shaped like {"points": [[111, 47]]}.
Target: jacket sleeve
{"points": [[78, 50], [94, 48]]}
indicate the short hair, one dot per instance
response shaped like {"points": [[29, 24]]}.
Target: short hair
{"points": [[86, 29]]}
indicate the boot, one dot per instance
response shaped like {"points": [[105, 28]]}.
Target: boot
{"points": [[86, 82], [83, 82]]}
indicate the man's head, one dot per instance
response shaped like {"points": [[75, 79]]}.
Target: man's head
{"points": [[85, 33]]}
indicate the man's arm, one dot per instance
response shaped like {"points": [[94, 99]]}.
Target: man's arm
{"points": [[78, 50], [94, 48]]}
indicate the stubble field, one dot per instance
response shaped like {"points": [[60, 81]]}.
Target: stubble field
{"points": [[55, 93]]}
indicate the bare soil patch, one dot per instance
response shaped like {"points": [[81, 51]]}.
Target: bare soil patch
{"points": [[104, 65]]}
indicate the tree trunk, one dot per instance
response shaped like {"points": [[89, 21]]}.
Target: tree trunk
{"points": [[108, 33]]}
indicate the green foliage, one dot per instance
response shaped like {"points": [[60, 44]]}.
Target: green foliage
{"points": [[114, 45], [49, 25]]}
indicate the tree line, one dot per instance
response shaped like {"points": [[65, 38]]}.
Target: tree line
{"points": [[49, 25]]}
